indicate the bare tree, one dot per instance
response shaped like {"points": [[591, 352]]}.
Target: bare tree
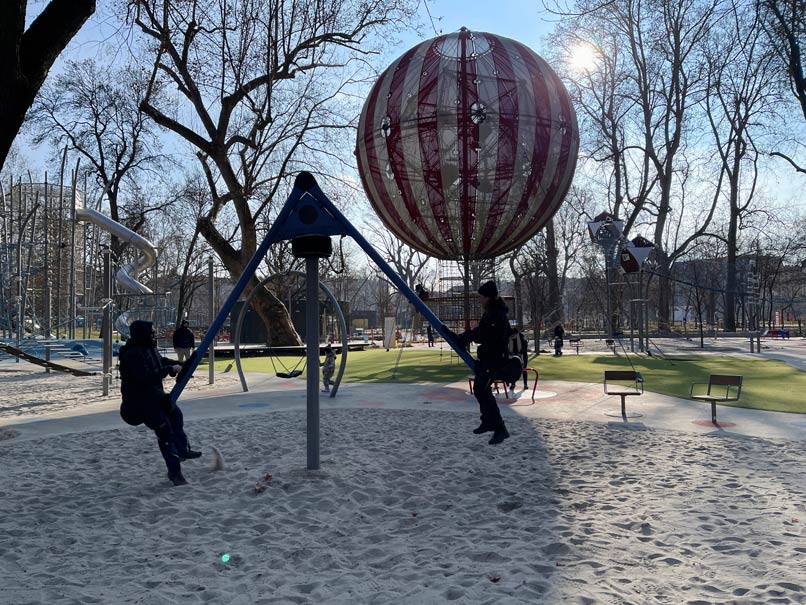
{"points": [[26, 56], [94, 109], [740, 83], [784, 22], [650, 99], [256, 82], [410, 264]]}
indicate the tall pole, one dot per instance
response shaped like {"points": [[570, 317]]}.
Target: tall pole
{"points": [[211, 316], [608, 250], [85, 262], [71, 327], [48, 300], [59, 248], [312, 343], [466, 296], [641, 311], [106, 325]]}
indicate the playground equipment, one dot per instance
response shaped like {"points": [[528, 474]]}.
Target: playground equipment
{"points": [[295, 372], [308, 219], [126, 275], [467, 145]]}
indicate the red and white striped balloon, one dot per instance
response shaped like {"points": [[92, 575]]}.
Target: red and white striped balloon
{"points": [[467, 145]]}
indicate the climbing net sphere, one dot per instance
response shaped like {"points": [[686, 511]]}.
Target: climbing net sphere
{"points": [[467, 145]]}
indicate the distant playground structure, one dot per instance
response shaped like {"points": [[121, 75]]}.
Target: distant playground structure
{"points": [[51, 264]]}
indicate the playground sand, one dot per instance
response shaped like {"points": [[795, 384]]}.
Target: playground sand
{"points": [[408, 507], [27, 392]]}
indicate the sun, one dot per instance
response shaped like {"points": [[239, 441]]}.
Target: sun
{"points": [[583, 57]]}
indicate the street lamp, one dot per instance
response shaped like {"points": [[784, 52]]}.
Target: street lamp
{"points": [[634, 256], [605, 231]]}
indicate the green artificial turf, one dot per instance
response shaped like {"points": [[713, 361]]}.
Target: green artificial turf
{"points": [[768, 385]]}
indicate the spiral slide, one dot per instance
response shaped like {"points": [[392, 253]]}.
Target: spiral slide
{"points": [[126, 276]]}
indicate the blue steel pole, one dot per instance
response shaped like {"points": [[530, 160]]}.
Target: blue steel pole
{"points": [[312, 342], [218, 322], [394, 277]]}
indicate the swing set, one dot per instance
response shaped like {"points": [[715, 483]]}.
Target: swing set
{"points": [[309, 219], [295, 372]]}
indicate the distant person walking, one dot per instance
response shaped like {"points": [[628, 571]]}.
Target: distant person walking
{"points": [[183, 341], [430, 333], [142, 371], [492, 334]]}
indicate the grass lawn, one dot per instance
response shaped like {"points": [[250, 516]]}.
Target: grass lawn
{"points": [[768, 385]]}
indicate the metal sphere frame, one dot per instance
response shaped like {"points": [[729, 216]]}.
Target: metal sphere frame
{"points": [[467, 145], [248, 302]]}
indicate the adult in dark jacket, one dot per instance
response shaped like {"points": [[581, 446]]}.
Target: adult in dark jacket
{"points": [[492, 335], [559, 334], [183, 341], [142, 371]]}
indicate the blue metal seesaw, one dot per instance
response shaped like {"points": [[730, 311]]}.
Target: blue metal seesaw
{"points": [[308, 211]]}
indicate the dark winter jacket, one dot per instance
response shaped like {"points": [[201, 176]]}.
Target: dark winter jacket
{"points": [[183, 338], [492, 335], [142, 370]]}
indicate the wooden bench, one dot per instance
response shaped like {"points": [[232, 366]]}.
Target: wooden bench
{"points": [[576, 342], [728, 388], [624, 383]]}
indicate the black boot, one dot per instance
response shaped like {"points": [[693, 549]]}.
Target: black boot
{"points": [[483, 428], [190, 455], [177, 478], [500, 434]]}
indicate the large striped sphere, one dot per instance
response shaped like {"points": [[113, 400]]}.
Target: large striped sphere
{"points": [[467, 145]]}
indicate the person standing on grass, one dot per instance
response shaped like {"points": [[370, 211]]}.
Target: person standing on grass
{"points": [[183, 341], [492, 335], [142, 371]]}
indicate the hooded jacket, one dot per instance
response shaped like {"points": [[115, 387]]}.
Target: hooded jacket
{"points": [[142, 369], [183, 338], [492, 335]]}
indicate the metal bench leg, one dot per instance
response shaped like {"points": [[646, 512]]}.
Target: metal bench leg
{"points": [[624, 406], [713, 412], [470, 385]]}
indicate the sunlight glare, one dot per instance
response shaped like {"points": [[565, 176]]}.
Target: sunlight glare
{"points": [[583, 57]]}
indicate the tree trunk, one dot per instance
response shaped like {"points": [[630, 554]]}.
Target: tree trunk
{"points": [[730, 277], [552, 274], [664, 291], [26, 56], [275, 316]]}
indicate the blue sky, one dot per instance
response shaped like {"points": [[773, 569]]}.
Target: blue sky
{"points": [[523, 20]]}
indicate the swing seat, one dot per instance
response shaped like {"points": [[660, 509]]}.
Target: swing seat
{"points": [[291, 374]]}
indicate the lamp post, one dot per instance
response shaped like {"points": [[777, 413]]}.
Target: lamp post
{"points": [[605, 230], [634, 256]]}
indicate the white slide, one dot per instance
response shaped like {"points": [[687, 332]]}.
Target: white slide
{"points": [[127, 274]]}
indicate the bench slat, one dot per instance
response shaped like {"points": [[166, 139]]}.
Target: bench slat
{"points": [[620, 375]]}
